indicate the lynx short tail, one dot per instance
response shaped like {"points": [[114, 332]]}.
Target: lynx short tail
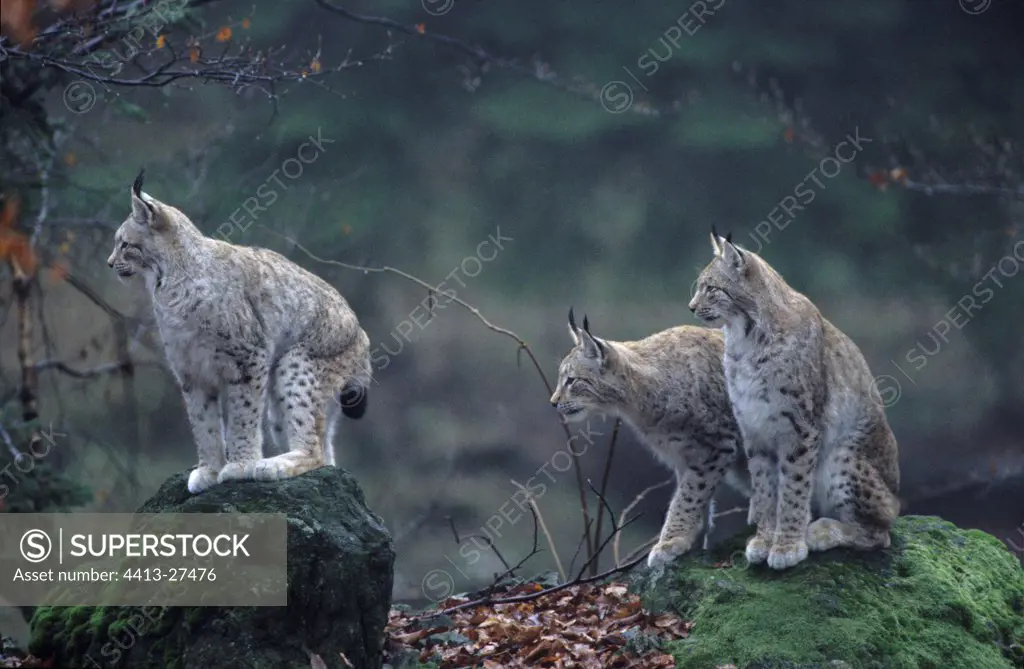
{"points": [[353, 398]]}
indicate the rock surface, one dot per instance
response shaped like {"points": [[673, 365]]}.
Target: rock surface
{"points": [[939, 598], [340, 575]]}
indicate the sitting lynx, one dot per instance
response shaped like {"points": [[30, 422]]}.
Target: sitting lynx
{"points": [[245, 329], [670, 389], [804, 399]]}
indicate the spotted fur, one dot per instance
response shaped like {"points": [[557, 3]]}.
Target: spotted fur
{"points": [[814, 429], [669, 388], [248, 335]]}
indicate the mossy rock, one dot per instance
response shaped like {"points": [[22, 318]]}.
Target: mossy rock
{"points": [[340, 576], [939, 598]]}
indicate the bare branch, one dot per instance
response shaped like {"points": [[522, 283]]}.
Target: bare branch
{"points": [[523, 346], [604, 484], [100, 370], [636, 500], [539, 518]]}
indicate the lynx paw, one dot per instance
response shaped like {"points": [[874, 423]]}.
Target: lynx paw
{"points": [[235, 471], [202, 478], [284, 466], [824, 534], [666, 551], [757, 550], [785, 555]]}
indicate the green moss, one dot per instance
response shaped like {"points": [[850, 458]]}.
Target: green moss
{"points": [[939, 597]]}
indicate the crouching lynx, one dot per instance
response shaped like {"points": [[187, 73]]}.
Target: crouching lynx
{"points": [[670, 389], [806, 404], [246, 331]]}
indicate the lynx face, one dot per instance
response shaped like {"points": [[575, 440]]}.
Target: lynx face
{"points": [[140, 241], [587, 381], [724, 288]]}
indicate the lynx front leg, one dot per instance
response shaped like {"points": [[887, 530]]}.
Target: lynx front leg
{"points": [[203, 409], [246, 398], [685, 517], [796, 481], [763, 467]]}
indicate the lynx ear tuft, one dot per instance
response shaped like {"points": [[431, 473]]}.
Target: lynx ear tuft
{"points": [[733, 256], [573, 330], [137, 186], [715, 246], [586, 324]]}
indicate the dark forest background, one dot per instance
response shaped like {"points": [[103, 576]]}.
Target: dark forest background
{"points": [[602, 140]]}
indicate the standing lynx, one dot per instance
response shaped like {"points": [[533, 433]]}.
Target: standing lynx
{"points": [[670, 389], [245, 330], [803, 396]]}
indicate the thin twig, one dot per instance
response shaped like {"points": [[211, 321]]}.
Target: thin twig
{"points": [[962, 189], [604, 484], [645, 548], [533, 595], [490, 542], [99, 370], [636, 500], [10, 443], [543, 526], [536, 70]]}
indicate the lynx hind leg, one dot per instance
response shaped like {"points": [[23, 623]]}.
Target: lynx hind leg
{"points": [[305, 388], [858, 506]]}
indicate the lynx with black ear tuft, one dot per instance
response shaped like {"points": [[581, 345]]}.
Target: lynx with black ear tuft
{"points": [[245, 329], [573, 330], [803, 396], [137, 186], [669, 388]]}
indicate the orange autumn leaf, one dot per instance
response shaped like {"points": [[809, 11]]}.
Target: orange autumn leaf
{"points": [[224, 34], [15, 247], [193, 54], [421, 28], [245, 24], [161, 41], [70, 159], [315, 66], [789, 135], [16, 20], [9, 214], [879, 179]]}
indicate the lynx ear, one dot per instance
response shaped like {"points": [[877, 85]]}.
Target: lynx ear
{"points": [[593, 348], [733, 256], [573, 330], [718, 242], [142, 207]]}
